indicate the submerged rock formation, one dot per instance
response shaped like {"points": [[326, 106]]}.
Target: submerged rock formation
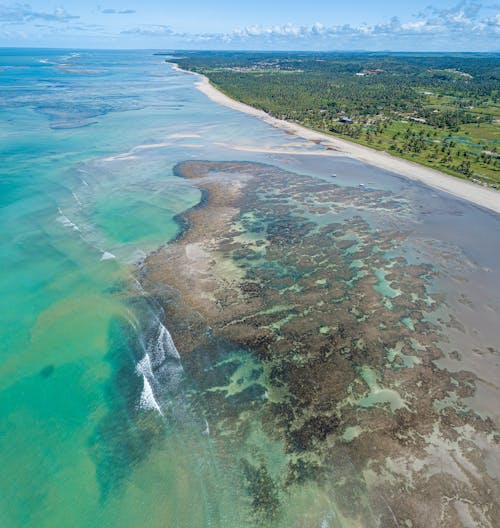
{"points": [[307, 323]]}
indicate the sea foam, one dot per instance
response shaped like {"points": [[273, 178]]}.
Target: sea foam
{"points": [[65, 221], [162, 373]]}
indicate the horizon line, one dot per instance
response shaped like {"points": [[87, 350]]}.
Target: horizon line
{"points": [[192, 50]]}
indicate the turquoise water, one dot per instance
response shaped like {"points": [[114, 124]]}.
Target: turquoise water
{"points": [[73, 221], [88, 142]]}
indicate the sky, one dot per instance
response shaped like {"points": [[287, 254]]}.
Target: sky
{"points": [[395, 25]]}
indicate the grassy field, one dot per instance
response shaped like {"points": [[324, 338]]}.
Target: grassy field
{"points": [[441, 111]]}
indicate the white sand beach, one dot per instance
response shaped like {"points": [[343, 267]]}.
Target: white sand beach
{"points": [[465, 190]]}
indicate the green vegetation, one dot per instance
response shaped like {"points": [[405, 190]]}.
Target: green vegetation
{"points": [[440, 110], [263, 491]]}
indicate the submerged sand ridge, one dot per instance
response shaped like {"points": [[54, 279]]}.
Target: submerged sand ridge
{"points": [[299, 319]]}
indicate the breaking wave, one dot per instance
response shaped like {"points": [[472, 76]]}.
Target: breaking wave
{"points": [[164, 380], [65, 221]]}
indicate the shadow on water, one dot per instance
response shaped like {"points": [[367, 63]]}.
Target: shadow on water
{"points": [[234, 473], [148, 395], [125, 434]]}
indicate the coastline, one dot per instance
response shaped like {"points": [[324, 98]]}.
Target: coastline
{"points": [[462, 189], [266, 338]]}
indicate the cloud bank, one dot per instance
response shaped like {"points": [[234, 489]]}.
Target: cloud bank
{"points": [[469, 25], [116, 11], [21, 13]]}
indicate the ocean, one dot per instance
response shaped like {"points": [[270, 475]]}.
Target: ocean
{"points": [[110, 416]]}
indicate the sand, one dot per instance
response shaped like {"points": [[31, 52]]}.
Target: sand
{"points": [[481, 196]]}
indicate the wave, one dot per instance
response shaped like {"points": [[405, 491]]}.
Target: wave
{"points": [[129, 155], [164, 380], [65, 221], [77, 200], [107, 256], [184, 136], [147, 400], [83, 180]]}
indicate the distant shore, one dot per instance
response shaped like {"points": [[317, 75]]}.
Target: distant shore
{"points": [[465, 190]]}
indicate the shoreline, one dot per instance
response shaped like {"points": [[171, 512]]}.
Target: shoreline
{"points": [[462, 189], [255, 342]]}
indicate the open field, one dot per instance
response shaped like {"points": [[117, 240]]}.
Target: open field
{"points": [[437, 110]]}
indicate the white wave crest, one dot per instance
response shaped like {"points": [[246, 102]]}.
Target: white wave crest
{"points": [[166, 345], [161, 370], [65, 221], [77, 200], [107, 256], [147, 400]]}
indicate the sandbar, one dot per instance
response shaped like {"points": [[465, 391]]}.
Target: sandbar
{"points": [[481, 196]]}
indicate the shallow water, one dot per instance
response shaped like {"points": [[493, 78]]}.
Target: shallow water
{"points": [[101, 425]]}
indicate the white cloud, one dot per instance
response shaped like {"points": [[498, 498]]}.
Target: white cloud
{"points": [[468, 26], [150, 30], [19, 13], [109, 11], [493, 22], [461, 22]]}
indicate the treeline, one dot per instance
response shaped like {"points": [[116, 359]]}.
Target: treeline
{"points": [[294, 85], [437, 94]]}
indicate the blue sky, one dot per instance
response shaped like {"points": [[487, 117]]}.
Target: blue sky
{"points": [[429, 25]]}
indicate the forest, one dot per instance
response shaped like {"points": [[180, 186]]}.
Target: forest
{"points": [[440, 110]]}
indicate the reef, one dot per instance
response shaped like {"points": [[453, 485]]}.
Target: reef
{"points": [[305, 323]]}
